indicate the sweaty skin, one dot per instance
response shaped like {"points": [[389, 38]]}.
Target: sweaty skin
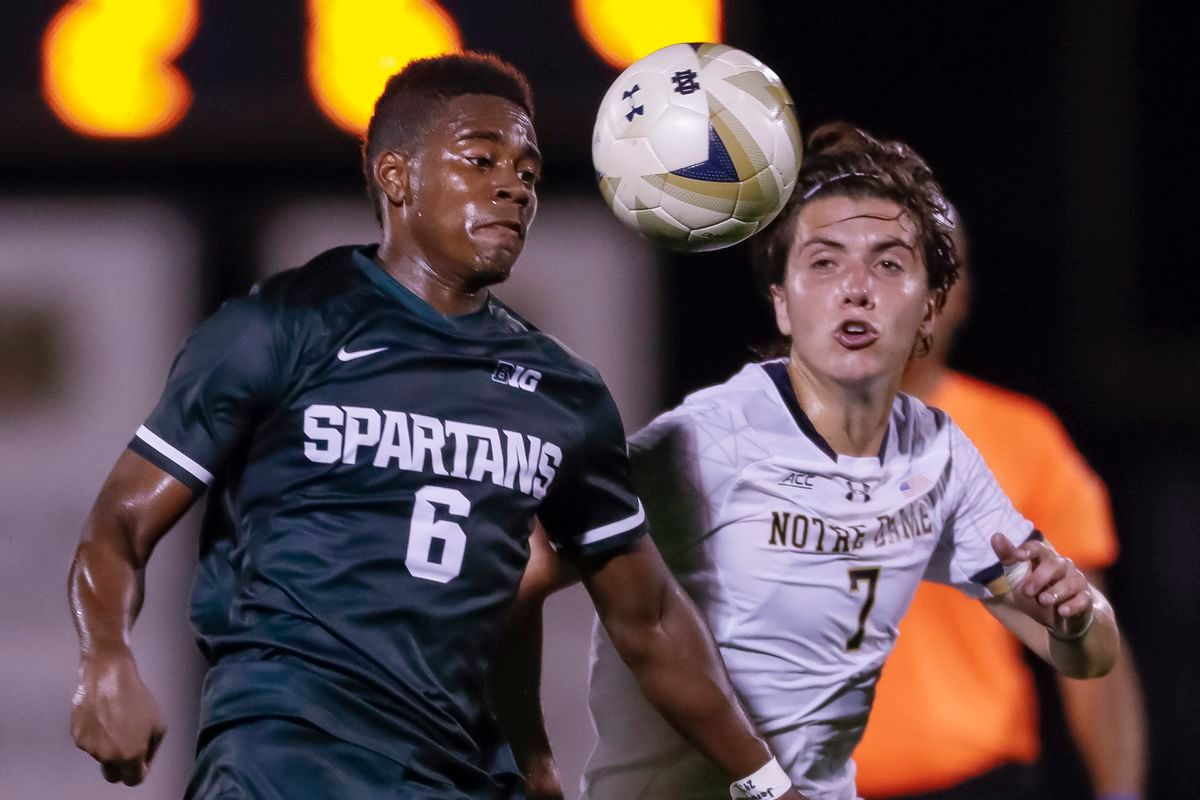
{"points": [[852, 261], [457, 207], [854, 300], [114, 717], [449, 244], [855, 261]]}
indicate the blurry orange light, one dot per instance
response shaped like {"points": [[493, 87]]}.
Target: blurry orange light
{"points": [[354, 46], [622, 31], [106, 65]]}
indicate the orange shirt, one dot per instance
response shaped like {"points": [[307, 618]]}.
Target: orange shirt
{"points": [[955, 698]]}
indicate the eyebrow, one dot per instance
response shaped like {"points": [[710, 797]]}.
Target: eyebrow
{"points": [[821, 240], [890, 242], [529, 151], [879, 247]]}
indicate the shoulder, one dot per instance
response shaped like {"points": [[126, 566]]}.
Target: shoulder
{"points": [[715, 412], [552, 349], [313, 285], [747, 390], [919, 427]]}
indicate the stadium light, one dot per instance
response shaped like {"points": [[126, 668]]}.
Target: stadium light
{"points": [[107, 66], [622, 31], [354, 46]]}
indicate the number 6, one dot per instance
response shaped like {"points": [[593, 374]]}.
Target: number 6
{"points": [[424, 528]]}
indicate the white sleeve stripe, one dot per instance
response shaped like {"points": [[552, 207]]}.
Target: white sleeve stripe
{"points": [[154, 440], [614, 528]]}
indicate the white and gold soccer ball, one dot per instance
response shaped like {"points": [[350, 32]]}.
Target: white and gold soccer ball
{"points": [[697, 146]]}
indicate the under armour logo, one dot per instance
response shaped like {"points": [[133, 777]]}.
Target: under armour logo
{"points": [[685, 82], [858, 491], [635, 109]]}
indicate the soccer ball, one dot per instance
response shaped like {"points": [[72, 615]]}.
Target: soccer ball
{"points": [[696, 146]]}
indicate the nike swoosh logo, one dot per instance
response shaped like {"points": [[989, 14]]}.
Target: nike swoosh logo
{"points": [[348, 355]]}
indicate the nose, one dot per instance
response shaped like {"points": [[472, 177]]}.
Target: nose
{"points": [[857, 287], [509, 186]]}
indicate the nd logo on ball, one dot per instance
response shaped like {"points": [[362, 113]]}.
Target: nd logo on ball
{"points": [[696, 146]]}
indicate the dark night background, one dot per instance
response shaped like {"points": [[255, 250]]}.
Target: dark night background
{"points": [[1063, 131]]}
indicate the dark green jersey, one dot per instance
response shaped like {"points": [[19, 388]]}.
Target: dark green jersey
{"points": [[378, 466]]}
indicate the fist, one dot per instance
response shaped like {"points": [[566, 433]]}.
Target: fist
{"points": [[541, 780], [115, 719], [1052, 591]]}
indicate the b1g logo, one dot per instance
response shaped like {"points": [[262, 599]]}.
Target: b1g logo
{"points": [[516, 376]]}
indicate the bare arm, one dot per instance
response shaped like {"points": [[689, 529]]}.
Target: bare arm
{"points": [[1053, 609], [1108, 724], [661, 636], [516, 676], [115, 719]]}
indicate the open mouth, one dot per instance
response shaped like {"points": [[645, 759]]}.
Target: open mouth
{"points": [[855, 334]]}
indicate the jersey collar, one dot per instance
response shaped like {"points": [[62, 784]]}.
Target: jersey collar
{"points": [[777, 372], [365, 258]]}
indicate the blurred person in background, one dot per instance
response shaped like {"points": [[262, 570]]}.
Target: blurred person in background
{"points": [[957, 682], [378, 432], [802, 501]]}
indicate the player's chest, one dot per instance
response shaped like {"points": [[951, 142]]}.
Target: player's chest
{"points": [[393, 413], [815, 511]]}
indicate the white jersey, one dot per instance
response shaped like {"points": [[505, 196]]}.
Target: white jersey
{"points": [[803, 562]]}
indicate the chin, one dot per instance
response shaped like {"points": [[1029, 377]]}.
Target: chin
{"points": [[863, 368], [494, 268]]}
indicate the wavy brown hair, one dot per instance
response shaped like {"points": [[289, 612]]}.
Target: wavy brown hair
{"points": [[842, 160]]}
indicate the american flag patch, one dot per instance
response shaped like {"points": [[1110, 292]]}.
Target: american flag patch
{"points": [[914, 485]]}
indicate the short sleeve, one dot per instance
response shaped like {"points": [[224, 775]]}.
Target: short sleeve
{"points": [[977, 510], [1069, 502], [225, 374], [683, 470], [591, 507]]}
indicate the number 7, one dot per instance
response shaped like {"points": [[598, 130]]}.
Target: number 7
{"points": [[871, 576]]}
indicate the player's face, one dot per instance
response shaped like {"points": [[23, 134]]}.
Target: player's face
{"points": [[472, 190], [854, 297]]}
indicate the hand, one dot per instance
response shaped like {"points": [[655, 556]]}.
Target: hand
{"points": [[792, 794], [1054, 592], [115, 719], [541, 780]]}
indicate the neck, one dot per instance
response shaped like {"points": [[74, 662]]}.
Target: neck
{"points": [[852, 419], [446, 294], [922, 376]]}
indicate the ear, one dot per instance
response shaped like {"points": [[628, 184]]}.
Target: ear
{"points": [[931, 312], [392, 172], [779, 301]]}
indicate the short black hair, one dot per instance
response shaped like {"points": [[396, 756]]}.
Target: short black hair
{"points": [[410, 98]]}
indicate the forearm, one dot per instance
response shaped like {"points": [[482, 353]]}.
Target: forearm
{"points": [[1055, 610], [105, 587], [136, 506], [1095, 653], [1109, 727], [515, 689], [704, 707]]}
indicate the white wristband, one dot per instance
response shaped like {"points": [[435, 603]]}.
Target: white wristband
{"points": [[769, 781]]}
